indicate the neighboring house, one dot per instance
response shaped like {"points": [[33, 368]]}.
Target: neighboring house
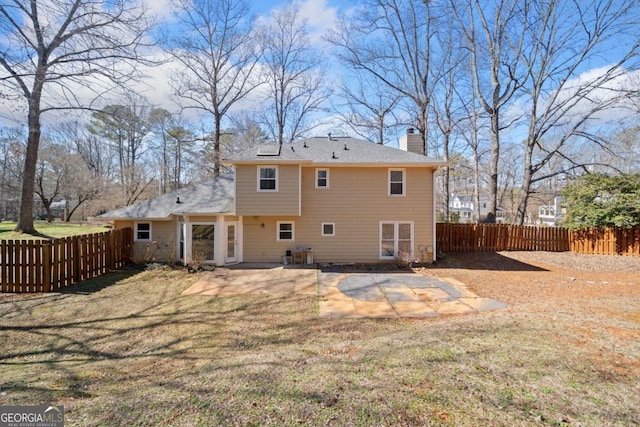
{"points": [[337, 199], [551, 215], [465, 206]]}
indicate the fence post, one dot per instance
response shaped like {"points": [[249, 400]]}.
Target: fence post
{"points": [[46, 259]]}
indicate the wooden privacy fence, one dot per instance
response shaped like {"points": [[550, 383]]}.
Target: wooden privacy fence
{"points": [[500, 237], [50, 265], [506, 237], [606, 241]]}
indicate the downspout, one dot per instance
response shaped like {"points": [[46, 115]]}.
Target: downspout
{"points": [[433, 213]]}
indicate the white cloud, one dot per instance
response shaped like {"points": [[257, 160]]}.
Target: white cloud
{"points": [[582, 97], [159, 8], [320, 16]]}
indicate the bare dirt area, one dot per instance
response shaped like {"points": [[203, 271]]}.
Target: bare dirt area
{"points": [[593, 300], [549, 281]]}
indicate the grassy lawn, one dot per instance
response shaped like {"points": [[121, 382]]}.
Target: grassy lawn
{"points": [[126, 349], [54, 229]]}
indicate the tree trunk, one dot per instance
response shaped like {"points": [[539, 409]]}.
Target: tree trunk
{"points": [[25, 218], [216, 147], [525, 187], [446, 175], [494, 164]]}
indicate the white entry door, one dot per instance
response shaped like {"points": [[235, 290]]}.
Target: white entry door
{"points": [[232, 242]]}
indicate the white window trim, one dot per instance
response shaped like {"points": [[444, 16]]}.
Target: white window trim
{"points": [[404, 182], [333, 228], [258, 178], [395, 239], [293, 231], [326, 187], [135, 231]]}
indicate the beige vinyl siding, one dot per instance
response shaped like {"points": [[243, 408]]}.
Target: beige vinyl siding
{"points": [[162, 247], [260, 238], [356, 202], [250, 201], [164, 237]]}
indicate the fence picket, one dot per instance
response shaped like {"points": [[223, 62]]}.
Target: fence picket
{"points": [[50, 265], [508, 237]]}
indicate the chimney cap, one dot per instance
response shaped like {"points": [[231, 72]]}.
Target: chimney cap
{"points": [[410, 131]]}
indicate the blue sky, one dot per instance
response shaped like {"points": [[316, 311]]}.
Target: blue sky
{"points": [[321, 16]]}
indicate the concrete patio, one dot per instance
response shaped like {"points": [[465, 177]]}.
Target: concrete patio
{"points": [[396, 295], [349, 295]]}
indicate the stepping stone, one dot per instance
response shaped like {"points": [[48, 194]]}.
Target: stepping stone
{"points": [[451, 307], [433, 294], [374, 309], [361, 288], [483, 304], [337, 309], [401, 294], [414, 309]]}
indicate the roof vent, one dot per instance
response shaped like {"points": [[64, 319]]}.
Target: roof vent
{"points": [[293, 149], [330, 136], [346, 148], [333, 155], [305, 144], [178, 200]]}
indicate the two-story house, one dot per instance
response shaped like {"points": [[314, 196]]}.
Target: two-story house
{"points": [[338, 199], [469, 211], [551, 214]]}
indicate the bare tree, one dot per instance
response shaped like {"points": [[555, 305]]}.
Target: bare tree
{"points": [[49, 46], [217, 47], [392, 40], [125, 128], [12, 148], [160, 123], [449, 104], [246, 133], [495, 35], [52, 173], [566, 37], [293, 73], [367, 105]]}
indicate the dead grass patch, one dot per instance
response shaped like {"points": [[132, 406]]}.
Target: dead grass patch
{"points": [[127, 349]]}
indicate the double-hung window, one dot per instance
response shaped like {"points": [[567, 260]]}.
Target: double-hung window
{"points": [[142, 232], [286, 231], [267, 178], [322, 178], [397, 182]]}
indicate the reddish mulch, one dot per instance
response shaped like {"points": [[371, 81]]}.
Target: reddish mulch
{"points": [[582, 289]]}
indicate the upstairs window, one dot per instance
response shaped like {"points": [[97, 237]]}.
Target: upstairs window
{"points": [[322, 178], [267, 178], [397, 182], [143, 232]]}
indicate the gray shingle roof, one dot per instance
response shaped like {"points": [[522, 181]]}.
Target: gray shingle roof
{"points": [[322, 150], [211, 197]]}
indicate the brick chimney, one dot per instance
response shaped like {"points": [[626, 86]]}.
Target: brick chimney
{"points": [[412, 142]]}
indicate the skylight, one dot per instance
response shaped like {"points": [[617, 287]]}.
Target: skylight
{"points": [[269, 150]]}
